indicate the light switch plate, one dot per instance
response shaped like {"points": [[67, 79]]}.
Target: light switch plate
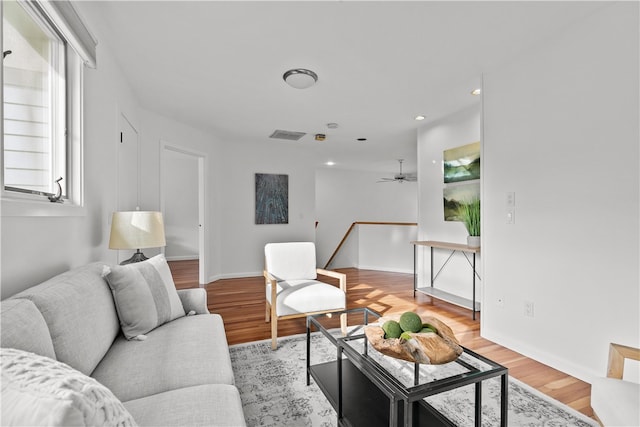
{"points": [[511, 216], [511, 199]]}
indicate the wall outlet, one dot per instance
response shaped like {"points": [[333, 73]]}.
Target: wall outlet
{"points": [[528, 308]]}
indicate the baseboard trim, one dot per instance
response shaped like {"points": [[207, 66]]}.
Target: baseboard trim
{"points": [[234, 275], [387, 269], [182, 258], [555, 362]]}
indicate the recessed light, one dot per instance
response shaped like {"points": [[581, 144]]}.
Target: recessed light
{"points": [[362, 139], [332, 125], [476, 91], [330, 163], [420, 117]]}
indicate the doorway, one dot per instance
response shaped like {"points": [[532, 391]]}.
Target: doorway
{"points": [[182, 202]]}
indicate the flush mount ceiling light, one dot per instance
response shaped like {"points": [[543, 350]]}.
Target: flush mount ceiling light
{"points": [[476, 92], [420, 117], [300, 78]]}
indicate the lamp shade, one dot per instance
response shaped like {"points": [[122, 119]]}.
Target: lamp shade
{"points": [[137, 230]]}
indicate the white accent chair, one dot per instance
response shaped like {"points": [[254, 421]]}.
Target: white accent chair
{"points": [[616, 402], [292, 289]]}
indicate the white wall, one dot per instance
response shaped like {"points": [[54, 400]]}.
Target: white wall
{"points": [[37, 248], [433, 138], [344, 197], [156, 128], [242, 240], [233, 242], [561, 131]]}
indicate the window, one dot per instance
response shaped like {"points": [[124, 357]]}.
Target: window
{"points": [[34, 102], [44, 47]]}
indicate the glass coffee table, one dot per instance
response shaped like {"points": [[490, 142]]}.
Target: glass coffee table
{"points": [[367, 388]]}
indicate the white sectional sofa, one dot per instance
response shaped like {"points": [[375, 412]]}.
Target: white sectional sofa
{"points": [[178, 373]]}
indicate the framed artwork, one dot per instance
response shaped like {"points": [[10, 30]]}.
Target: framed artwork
{"points": [[462, 163], [272, 198], [453, 195]]}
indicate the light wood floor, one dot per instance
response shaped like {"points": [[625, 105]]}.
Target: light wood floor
{"points": [[241, 303]]}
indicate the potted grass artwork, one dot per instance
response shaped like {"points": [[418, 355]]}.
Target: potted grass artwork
{"points": [[469, 213]]}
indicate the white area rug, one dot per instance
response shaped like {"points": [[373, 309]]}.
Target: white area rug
{"points": [[273, 389]]}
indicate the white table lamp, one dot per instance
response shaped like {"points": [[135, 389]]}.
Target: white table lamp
{"points": [[136, 230]]}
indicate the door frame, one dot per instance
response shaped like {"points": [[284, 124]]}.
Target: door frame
{"points": [[202, 173]]}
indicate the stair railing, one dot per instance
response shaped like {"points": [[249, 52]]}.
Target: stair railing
{"points": [[351, 227]]}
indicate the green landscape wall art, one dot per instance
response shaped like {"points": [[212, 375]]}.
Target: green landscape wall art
{"points": [[272, 198], [454, 195], [462, 163]]}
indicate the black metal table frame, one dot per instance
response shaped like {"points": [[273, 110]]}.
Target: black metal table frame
{"points": [[394, 389], [434, 277]]}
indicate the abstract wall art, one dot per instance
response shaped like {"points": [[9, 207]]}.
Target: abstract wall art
{"points": [[272, 198]]}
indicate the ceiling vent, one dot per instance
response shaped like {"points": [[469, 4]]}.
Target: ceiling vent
{"points": [[287, 134]]}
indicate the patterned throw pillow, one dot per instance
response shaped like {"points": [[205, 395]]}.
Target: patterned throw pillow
{"points": [[145, 295], [39, 391]]}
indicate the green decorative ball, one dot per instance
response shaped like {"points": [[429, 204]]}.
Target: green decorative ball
{"points": [[406, 336], [410, 322], [391, 329]]}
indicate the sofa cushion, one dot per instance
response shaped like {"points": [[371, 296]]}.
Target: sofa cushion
{"points": [[24, 328], [145, 295], [188, 351], [204, 405], [38, 390], [616, 401], [78, 308], [194, 299]]}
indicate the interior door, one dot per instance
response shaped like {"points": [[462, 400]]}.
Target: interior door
{"points": [[128, 171]]}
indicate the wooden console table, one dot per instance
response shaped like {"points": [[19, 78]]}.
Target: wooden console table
{"points": [[473, 305]]}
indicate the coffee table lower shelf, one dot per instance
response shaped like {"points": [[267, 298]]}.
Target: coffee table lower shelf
{"points": [[364, 404]]}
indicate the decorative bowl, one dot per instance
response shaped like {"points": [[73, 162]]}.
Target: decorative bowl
{"points": [[430, 348]]}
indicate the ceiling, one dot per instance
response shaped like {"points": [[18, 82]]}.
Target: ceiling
{"points": [[218, 66]]}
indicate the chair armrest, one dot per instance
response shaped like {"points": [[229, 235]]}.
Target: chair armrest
{"points": [[194, 299], [274, 285], [336, 275], [617, 354]]}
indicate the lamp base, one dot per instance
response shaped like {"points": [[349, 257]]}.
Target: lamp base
{"points": [[137, 257]]}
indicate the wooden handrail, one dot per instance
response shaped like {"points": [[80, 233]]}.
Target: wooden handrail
{"points": [[353, 224]]}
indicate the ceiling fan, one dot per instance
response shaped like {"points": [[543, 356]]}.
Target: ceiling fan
{"points": [[400, 177]]}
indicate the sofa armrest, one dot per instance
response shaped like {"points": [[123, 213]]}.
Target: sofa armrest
{"points": [[194, 299]]}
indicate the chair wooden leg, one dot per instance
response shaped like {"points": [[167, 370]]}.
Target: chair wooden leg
{"points": [[343, 323], [274, 329], [267, 312]]}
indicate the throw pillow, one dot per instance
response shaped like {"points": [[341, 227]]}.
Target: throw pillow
{"points": [[144, 294], [39, 391]]}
